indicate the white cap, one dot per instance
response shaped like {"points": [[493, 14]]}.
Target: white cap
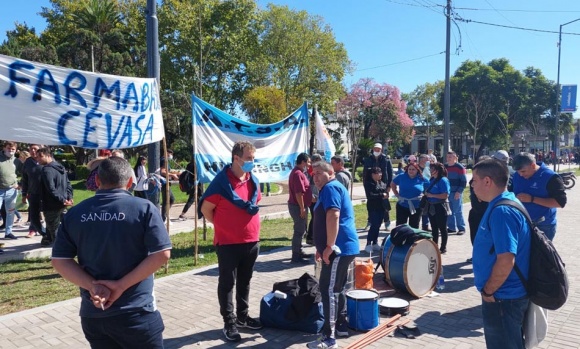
{"points": [[378, 145], [501, 155], [412, 158]]}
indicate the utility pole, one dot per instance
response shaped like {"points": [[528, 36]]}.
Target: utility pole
{"points": [[153, 149], [447, 93]]}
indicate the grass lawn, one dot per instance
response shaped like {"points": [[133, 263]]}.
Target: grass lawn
{"points": [[33, 283]]}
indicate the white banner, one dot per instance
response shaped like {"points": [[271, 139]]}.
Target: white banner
{"points": [[51, 105], [323, 139], [277, 145]]}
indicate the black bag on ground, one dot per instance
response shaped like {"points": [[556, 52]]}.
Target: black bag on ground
{"points": [[547, 283], [301, 310]]}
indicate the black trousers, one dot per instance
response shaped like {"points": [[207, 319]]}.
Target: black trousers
{"points": [[439, 224], [236, 266], [34, 213], [474, 219], [164, 200], [404, 216]]}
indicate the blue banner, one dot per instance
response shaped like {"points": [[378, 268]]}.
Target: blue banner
{"points": [[277, 145], [568, 102]]}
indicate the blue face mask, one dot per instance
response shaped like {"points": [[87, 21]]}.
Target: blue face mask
{"points": [[248, 166]]}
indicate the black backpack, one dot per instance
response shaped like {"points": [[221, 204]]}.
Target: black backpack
{"points": [[547, 284], [186, 182]]}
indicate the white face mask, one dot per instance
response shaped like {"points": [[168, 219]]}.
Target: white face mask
{"points": [[9, 153], [376, 153]]}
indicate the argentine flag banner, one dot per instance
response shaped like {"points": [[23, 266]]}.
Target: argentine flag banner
{"points": [[277, 145], [323, 139], [46, 104]]}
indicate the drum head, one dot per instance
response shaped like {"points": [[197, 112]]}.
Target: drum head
{"points": [[362, 294], [392, 306], [422, 267]]}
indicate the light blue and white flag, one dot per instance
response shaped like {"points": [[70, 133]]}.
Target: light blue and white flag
{"points": [[277, 145], [324, 142], [51, 105]]}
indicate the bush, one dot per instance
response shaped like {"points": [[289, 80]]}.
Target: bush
{"points": [[82, 172]]}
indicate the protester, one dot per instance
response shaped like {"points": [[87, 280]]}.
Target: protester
{"points": [[424, 167], [56, 193], [503, 239], [477, 210], [400, 169], [31, 190], [456, 174], [231, 204], [119, 242], [191, 198], [437, 206], [540, 189], [411, 185], [8, 186], [337, 245], [299, 199], [380, 160], [164, 184], [377, 198], [140, 172], [309, 232], [342, 175]]}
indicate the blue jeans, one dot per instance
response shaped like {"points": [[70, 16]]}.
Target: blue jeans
{"points": [[132, 330], [503, 323], [8, 198], [455, 221], [549, 230]]}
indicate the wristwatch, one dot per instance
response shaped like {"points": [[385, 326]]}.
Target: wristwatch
{"points": [[486, 294]]}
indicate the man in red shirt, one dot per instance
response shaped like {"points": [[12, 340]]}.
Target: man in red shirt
{"points": [[299, 200], [234, 214]]}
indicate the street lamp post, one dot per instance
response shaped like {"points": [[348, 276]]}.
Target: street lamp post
{"points": [[558, 94], [523, 137]]}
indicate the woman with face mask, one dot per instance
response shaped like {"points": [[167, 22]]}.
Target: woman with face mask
{"points": [[408, 188]]}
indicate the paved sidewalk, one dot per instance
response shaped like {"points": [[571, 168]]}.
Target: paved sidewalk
{"points": [[189, 306]]}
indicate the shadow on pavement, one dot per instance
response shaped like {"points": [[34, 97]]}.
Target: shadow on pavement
{"points": [[452, 325]]}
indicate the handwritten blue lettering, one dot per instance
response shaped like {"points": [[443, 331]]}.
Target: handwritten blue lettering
{"points": [[145, 100], [138, 140], [61, 125], [69, 90], [131, 94], [101, 88], [89, 128], [42, 85], [12, 69]]}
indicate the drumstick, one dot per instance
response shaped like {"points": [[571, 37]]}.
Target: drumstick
{"points": [[374, 336], [373, 332]]}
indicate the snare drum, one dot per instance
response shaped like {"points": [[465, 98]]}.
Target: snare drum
{"points": [[391, 306], [412, 268], [362, 309]]}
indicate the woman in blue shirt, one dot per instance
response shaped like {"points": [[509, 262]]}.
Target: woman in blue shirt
{"points": [[411, 186], [437, 204]]}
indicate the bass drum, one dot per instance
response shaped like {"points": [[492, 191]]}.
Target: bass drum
{"points": [[411, 268]]}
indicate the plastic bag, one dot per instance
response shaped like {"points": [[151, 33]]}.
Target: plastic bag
{"points": [[363, 274]]}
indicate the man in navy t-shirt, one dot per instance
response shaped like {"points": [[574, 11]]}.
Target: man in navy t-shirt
{"points": [[119, 241]]}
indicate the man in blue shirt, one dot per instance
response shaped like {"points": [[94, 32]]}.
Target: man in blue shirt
{"points": [[502, 240], [119, 241], [540, 189], [337, 245]]}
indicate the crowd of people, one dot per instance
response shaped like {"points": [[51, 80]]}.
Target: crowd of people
{"points": [[117, 292]]}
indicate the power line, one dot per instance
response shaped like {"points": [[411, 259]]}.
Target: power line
{"points": [[518, 10], [406, 61], [512, 27]]}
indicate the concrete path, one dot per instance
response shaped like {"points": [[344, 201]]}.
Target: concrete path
{"points": [[190, 310]]}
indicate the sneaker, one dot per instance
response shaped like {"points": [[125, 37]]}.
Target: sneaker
{"points": [[268, 194], [10, 236], [443, 251], [426, 228], [341, 330], [461, 232], [30, 234], [451, 231], [182, 217], [469, 260], [231, 333], [323, 343], [376, 247], [249, 322], [388, 226], [309, 242]]}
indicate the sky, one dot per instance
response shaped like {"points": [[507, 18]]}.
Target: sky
{"points": [[402, 42]]}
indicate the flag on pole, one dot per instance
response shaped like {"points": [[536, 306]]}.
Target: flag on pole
{"points": [[323, 139]]}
